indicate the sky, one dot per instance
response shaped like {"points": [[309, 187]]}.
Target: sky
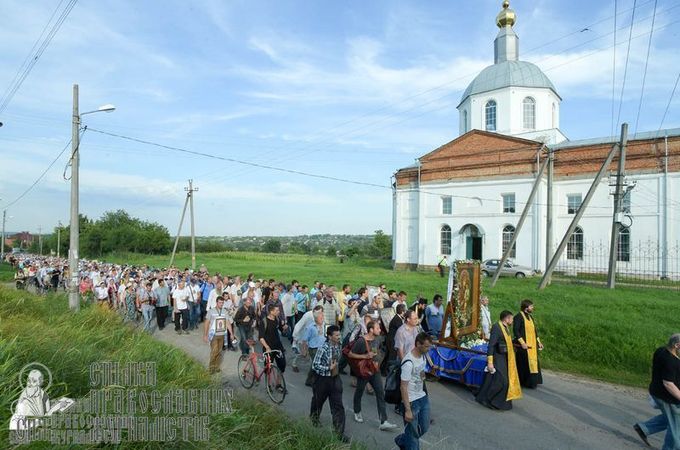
{"points": [[352, 90]]}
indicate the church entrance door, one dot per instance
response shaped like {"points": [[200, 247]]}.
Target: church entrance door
{"points": [[473, 242]]}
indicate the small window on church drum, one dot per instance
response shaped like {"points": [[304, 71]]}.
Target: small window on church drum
{"points": [[447, 206], [490, 115], [509, 203], [529, 113]]}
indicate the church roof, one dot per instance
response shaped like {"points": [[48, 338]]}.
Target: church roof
{"points": [[506, 74]]}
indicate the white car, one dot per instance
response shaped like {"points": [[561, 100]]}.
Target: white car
{"points": [[510, 269]]}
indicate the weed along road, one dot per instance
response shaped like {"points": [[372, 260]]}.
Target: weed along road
{"points": [[564, 413]]}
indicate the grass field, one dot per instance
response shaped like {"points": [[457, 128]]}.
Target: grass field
{"points": [[42, 329], [604, 334]]}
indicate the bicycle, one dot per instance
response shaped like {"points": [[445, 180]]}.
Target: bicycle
{"points": [[248, 374]]}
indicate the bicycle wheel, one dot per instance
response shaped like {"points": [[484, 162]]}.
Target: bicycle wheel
{"points": [[276, 384], [246, 371]]}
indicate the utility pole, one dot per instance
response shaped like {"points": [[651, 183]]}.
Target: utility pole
{"points": [[179, 230], [190, 202], [73, 298], [520, 223], [574, 223], [58, 238], [618, 197], [549, 209], [40, 239], [190, 194], [4, 219]]}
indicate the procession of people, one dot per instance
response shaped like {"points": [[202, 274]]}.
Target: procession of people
{"points": [[330, 330]]}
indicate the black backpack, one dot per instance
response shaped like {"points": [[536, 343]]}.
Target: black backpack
{"points": [[393, 383]]}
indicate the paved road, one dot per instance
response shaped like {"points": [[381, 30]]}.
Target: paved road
{"points": [[565, 413]]}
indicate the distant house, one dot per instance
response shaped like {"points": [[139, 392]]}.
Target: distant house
{"points": [[25, 238]]}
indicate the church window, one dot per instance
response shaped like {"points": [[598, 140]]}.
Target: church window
{"points": [[554, 116], [490, 115], [508, 233], [529, 113], [465, 121], [509, 203], [623, 248], [575, 244], [447, 206], [573, 203], [445, 240]]}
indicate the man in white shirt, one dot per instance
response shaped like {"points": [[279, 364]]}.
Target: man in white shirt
{"points": [[289, 308], [102, 293], [413, 394], [181, 296]]}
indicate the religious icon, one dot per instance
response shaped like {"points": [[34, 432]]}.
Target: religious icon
{"points": [[220, 324], [465, 302]]}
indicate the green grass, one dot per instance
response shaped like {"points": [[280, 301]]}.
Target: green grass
{"points": [[42, 329], [6, 273], [604, 334]]}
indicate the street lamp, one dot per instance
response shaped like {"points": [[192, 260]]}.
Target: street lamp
{"points": [[73, 297]]}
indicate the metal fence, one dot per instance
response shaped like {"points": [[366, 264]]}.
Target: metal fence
{"points": [[642, 263]]}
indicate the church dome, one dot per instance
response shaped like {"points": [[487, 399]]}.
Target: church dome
{"points": [[507, 74]]}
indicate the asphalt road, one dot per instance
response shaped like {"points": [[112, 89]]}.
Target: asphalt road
{"points": [[564, 413]]}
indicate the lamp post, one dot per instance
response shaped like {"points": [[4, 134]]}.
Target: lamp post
{"points": [[4, 219], [73, 297]]}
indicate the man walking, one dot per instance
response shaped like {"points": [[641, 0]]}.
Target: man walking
{"points": [[328, 384], [213, 333], [405, 338], [665, 391], [268, 333], [245, 319], [366, 348], [180, 296], [441, 265], [311, 340], [147, 299], [162, 302], [434, 315], [413, 395]]}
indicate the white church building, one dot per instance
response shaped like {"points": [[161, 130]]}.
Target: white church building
{"points": [[464, 198]]}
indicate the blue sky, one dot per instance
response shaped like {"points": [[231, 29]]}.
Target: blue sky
{"points": [[351, 89]]}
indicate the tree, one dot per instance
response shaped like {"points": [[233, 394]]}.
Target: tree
{"points": [[381, 247], [272, 246], [332, 251]]}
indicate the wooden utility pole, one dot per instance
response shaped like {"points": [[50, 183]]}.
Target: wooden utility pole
{"points": [[58, 238], [40, 239], [179, 230], [618, 198], [577, 217]]}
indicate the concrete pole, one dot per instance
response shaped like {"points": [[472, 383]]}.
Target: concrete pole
{"points": [[179, 230], [73, 296], [4, 219], [618, 196], [577, 217], [58, 239], [549, 210], [40, 239], [193, 235]]}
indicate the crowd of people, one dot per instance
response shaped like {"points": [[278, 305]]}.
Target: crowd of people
{"points": [[366, 334]]}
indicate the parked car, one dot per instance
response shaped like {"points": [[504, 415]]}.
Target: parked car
{"points": [[510, 269]]}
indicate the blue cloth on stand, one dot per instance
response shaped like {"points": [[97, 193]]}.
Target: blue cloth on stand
{"points": [[443, 358]]}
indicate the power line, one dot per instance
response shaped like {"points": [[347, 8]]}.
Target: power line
{"points": [[644, 75], [625, 67], [670, 99], [39, 178], [237, 161], [33, 57]]}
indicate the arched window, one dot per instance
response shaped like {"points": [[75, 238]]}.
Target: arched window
{"points": [[508, 232], [554, 116], [465, 121], [490, 115], [623, 248], [575, 244], [445, 235], [529, 113]]}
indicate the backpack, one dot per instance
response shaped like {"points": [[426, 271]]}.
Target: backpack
{"points": [[393, 383]]}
